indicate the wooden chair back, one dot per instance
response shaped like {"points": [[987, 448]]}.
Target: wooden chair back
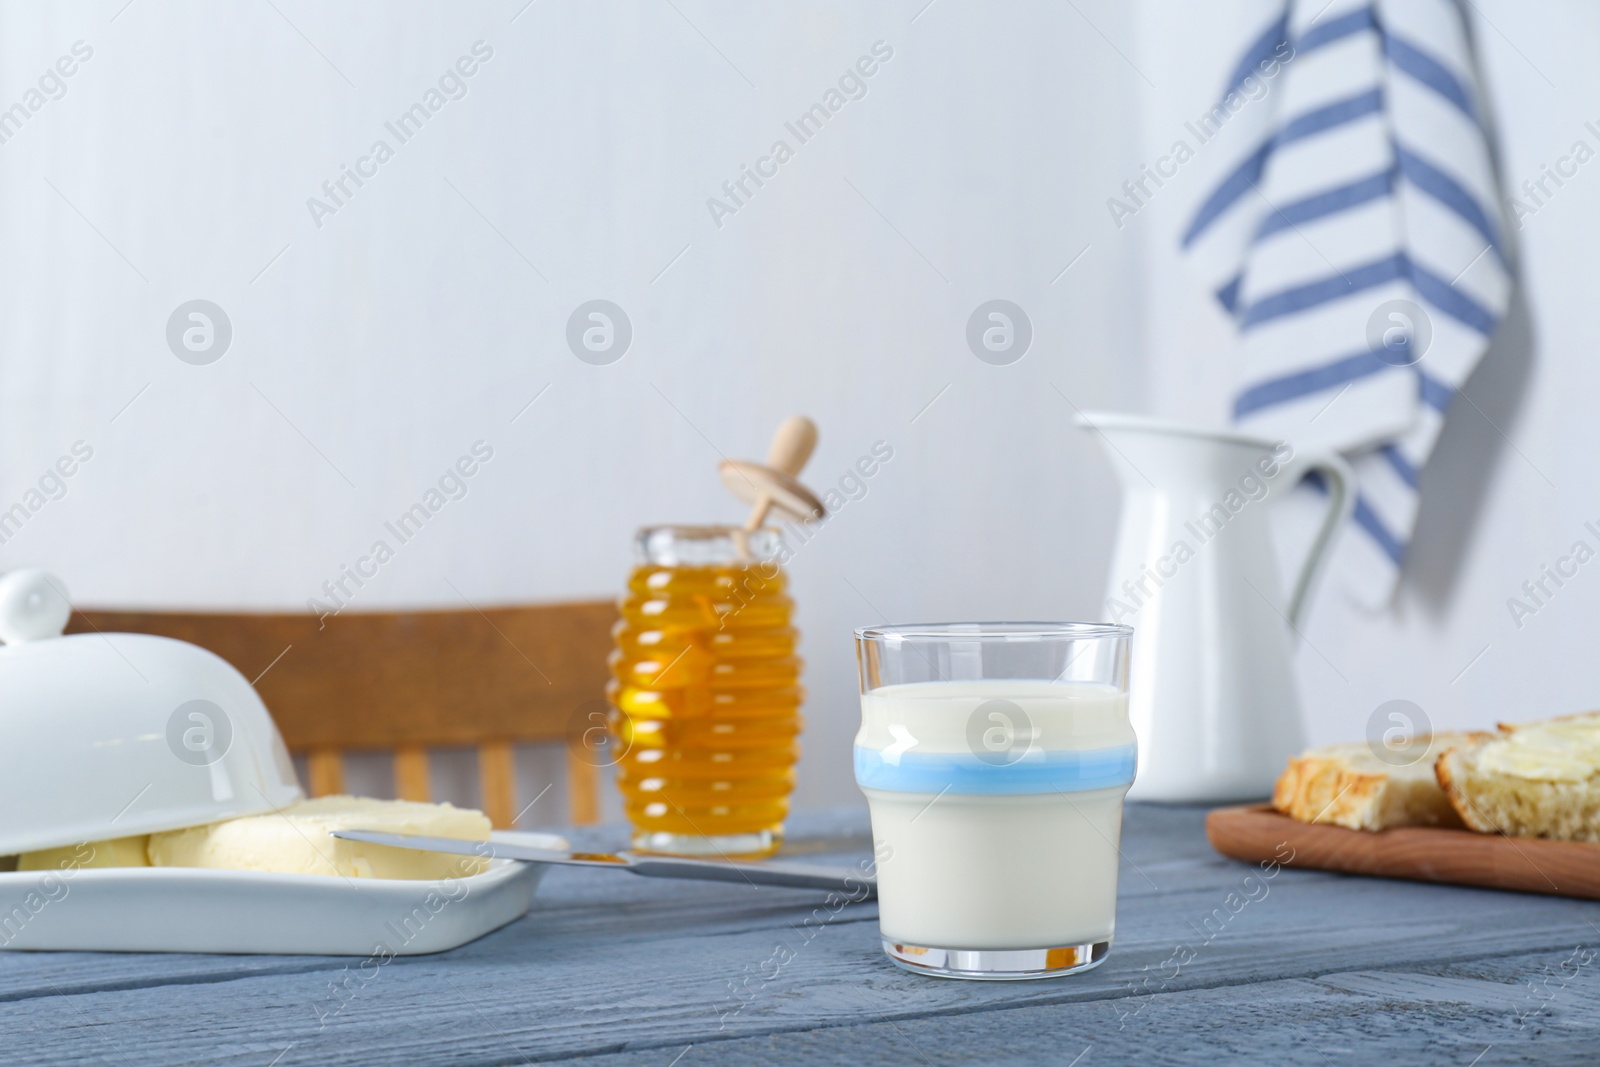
{"points": [[408, 681]]}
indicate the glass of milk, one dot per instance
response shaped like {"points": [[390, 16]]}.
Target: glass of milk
{"points": [[995, 757]]}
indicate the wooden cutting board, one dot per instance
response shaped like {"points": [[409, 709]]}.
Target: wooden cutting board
{"points": [[1256, 833]]}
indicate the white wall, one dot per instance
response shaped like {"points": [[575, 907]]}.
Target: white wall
{"points": [[369, 353], [1513, 481], [375, 350]]}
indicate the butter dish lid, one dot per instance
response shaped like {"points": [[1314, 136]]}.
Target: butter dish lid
{"points": [[109, 735]]}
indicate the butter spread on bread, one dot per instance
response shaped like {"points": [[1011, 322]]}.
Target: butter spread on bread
{"points": [[1538, 779]]}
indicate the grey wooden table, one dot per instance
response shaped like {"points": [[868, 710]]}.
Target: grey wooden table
{"points": [[1213, 963]]}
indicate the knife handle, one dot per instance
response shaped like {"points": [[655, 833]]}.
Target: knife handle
{"points": [[846, 880]]}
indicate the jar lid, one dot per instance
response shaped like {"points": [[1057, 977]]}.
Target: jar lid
{"points": [[112, 735]]}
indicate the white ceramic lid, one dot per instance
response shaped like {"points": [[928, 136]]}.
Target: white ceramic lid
{"points": [[109, 735]]}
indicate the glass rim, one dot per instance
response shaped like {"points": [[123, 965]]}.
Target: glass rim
{"points": [[993, 631]]}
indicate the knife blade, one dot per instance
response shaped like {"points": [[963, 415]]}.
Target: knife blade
{"points": [[848, 880]]}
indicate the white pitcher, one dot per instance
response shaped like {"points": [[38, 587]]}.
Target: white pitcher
{"points": [[1211, 692]]}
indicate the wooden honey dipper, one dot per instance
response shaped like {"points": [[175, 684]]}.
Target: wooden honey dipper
{"points": [[774, 485]]}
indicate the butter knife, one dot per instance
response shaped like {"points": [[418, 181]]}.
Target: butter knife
{"points": [[847, 880]]}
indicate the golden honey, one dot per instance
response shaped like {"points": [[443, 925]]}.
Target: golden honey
{"points": [[705, 693]]}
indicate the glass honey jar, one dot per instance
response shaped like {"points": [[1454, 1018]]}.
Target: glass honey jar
{"points": [[705, 692]]}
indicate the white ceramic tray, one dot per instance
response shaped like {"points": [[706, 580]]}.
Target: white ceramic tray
{"points": [[180, 909]]}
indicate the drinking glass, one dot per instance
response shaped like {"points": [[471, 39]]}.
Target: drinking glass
{"points": [[995, 757]]}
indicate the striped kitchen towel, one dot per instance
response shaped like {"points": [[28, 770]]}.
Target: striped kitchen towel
{"points": [[1352, 231]]}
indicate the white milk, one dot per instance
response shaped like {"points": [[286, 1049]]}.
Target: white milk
{"points": [[987, 869]]}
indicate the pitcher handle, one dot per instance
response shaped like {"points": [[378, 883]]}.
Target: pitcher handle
{"points": [[1340, 481]]}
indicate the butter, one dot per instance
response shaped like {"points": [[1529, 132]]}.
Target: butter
{"points": [[1547, 752], [117, 852], [296, 840]]}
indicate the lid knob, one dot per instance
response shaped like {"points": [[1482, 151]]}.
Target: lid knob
{"points": [[775, 485], [33, 606]]}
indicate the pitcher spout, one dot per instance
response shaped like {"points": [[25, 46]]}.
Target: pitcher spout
{"points": [[1152, 453]]}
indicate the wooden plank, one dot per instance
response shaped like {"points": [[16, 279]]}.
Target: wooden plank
{"points": [[325, 768], [554, 987], [384, 679], [411, 773], [497, 783], [583, 790], [559, 998], [1257, 833], [632, 914], [1408, 1017]]}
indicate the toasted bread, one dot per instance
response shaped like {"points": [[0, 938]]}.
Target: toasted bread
{"points": [[1539, 779], [1351, 786]]}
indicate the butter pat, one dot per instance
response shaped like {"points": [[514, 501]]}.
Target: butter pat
{"points": [[118, 852], [1539, 779], [1562, 750], [296, 840]]}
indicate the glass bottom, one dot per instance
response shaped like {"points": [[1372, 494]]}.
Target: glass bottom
{"points": [[710, 846], [997, 965]]}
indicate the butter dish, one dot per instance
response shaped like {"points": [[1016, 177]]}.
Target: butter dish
{"points": [[189, 909], [114, 735]]}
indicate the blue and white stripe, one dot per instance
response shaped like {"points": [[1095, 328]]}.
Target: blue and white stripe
{"points": [[965, 774], [1361, 176]]}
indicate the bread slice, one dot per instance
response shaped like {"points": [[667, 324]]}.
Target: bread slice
{"points": [[1349, 785], [1539, 779]]}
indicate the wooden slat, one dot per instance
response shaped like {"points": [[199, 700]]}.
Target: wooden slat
{"points": [[325, 767], [583, 790], [411, 773], [385, 679], [1210, 958], [497, 783]]}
